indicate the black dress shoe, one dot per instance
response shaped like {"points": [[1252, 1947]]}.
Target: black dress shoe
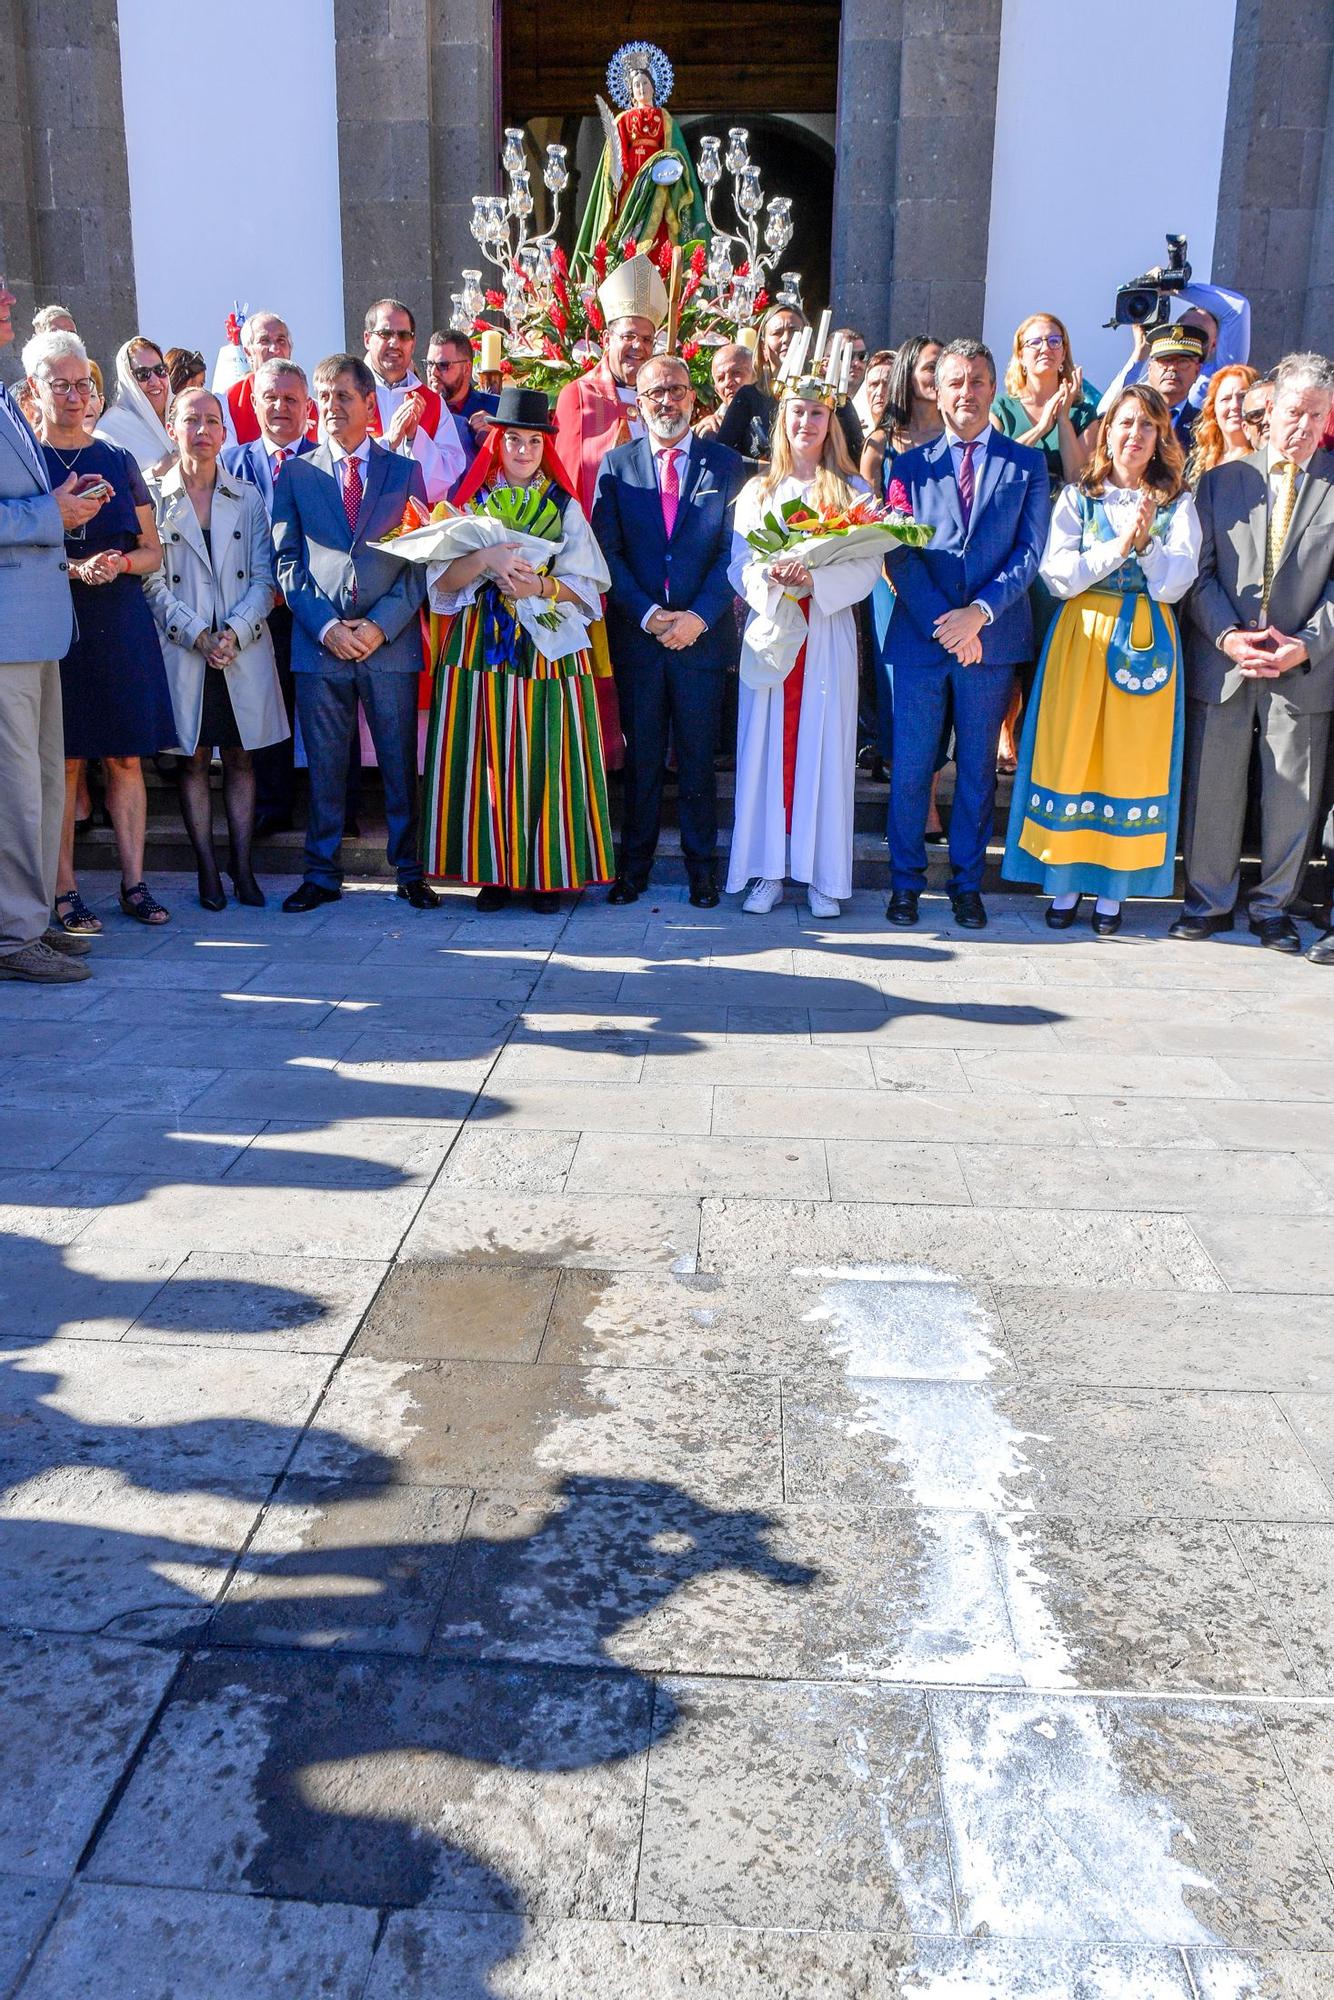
{"points": [[704, 892], [310, 895], [1277, 933], [970, 912], [544, 902], [1192, 929], [1061, 920], [623, 890], [492, 897], [1106, 923], [420, 894], [1322, 951], [901, 909]]}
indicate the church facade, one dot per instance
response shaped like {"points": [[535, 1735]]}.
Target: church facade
{"points": [[961, 161]]}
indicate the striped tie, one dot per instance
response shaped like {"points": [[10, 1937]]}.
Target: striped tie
{"points": [[1280, 520]]}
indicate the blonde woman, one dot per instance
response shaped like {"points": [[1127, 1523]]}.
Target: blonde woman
{"points": [[797, 738], [1045, 402]]}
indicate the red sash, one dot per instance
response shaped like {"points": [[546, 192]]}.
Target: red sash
{"points": [[431, 412]]}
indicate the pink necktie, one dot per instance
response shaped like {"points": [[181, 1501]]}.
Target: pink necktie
{"points": [[966, 481], [671, 489], [352, 492]]}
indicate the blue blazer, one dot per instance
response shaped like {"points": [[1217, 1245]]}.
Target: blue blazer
{"points": [[326, 573], [995, 560], [687, 572], [36, 609], [251, 463]]}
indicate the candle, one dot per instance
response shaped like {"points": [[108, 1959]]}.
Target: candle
{"points": [[491, 352], [748, 337], [795, 359], [835, 360], [824, 335], [845, 368]]}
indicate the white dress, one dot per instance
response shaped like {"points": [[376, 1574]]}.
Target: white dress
{"points": [[819, 850]]}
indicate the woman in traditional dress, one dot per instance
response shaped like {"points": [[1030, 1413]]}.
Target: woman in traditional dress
{"points": [[797, 738], [1098, 791], [645, 189], [515, 790]]}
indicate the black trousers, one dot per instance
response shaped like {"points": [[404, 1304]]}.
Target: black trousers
{"points": [[658, 695]]}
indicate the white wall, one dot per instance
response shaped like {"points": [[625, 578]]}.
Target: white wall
{"points": [[1109, 132], [231, 127]]}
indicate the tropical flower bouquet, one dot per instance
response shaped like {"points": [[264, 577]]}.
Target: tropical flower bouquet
{"points": [[817, 538], [523, 518], [564, 326]]}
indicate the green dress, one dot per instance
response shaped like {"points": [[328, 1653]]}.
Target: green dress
{"points": [[1014, 420]]}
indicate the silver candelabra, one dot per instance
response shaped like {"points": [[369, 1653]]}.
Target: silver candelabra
{"points": [[500, 226], [734, 294]]}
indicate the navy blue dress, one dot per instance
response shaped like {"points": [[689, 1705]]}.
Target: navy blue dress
{"points": [[114, 685]]}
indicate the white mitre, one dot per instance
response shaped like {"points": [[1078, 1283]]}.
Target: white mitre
{"points": [[634, 291]]}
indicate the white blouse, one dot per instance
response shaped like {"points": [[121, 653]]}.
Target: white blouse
{"points": [[1170, 562]]}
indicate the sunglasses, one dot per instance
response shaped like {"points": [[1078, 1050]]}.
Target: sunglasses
{"points": [[1260, 416], [146, 374]]}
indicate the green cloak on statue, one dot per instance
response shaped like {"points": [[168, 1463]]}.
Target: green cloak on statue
{"points": [[645, 190]]}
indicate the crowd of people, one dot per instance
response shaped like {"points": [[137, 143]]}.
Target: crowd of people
{"points": [[1126, 603]]}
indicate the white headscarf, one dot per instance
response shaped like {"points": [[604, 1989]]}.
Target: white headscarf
{"points": [[131, 421]]}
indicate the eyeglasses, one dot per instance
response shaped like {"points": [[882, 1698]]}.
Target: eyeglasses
{"points": [[858, 354], [392, 333], [1036, 340], [1260, 416], [147, 374], [83, 387], [676, 394]]}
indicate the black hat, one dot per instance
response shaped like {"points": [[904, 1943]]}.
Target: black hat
{"points": [[1190, 342], [522, 410]]}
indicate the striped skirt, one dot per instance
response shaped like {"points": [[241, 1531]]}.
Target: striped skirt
{"points": [[514, 789]]}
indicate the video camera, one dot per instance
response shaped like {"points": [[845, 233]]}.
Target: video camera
{"points": [[1146, 301]]}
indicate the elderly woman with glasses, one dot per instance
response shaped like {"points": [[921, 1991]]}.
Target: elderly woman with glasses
{"points": [[136, 421], [113, 683]]}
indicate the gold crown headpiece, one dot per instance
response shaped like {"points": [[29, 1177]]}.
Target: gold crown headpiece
{"points": [[824, 376]]}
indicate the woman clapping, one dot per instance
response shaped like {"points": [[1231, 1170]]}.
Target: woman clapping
{"points": [[1098, 790]]}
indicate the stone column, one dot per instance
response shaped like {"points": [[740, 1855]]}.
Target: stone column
{"points": [[464, 138], [384, 155], [1275, 235], [912, 200], [64, 183]]}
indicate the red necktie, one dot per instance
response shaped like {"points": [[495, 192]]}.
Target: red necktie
{"points": [[671, 488], [352, 492], [966, 481], [280, 458]]}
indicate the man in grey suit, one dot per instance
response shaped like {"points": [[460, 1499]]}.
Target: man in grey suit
{"points": [[1260, 654], [355, 630], [36, 624]]}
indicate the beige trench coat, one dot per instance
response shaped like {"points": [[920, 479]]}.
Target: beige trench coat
{"points": [[190, 595]]}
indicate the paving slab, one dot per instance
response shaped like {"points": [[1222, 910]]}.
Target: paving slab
{"points": [[49, 1289], [1153, 1822], [242, 1301], [179, 1149], [831, 1803], [991, 1245], [665, 1164], [1169, 1340], [501, 1156], [26, 1907], [473, 1423], [424, 1956], [634, 1231], [1130, 1177], [302, 1221], [210, 1947], [1269, 1253], [429, 1311], [601, 1107], [1292, 1564], [338, 1566], [950, 1116], [72, 1712], [387, 1783]]}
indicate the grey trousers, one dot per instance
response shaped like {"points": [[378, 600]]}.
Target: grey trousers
{"points": [[32, 798], [1218, 755]]}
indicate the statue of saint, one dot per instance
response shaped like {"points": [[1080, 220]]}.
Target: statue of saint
{"points": [[645, 190]]}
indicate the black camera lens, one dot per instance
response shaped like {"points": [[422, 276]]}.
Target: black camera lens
{"points": [[1141, 305]]}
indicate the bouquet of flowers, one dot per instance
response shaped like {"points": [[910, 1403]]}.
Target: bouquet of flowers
{"points": [[564, 330], [817, 538], [513, 516]]}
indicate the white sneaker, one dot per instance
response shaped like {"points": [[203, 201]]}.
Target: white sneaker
{"points": [[821, 905], [763, 897]]}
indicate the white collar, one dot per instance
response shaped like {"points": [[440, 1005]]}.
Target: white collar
{"points": [[410, 381], [362, 452]]}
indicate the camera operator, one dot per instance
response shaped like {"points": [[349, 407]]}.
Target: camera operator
{"points": [[1223, 317]]}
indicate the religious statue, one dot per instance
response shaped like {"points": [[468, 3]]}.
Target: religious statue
{"points": [[645, 191]]}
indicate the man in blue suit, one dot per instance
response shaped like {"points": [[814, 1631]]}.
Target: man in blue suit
{"points": [[662, 515], [281, 401], [961, 623], [355, 630]]}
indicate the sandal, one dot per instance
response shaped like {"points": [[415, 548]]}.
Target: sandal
{"points": [[141, 904], [76, 917]]}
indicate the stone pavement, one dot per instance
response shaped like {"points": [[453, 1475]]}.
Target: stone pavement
{"points": [[659, 1452]]}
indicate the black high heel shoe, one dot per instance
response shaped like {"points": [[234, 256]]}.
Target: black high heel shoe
{"points": [[245, 888], [214, 900], [1061, 920], [1106, 923]]}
